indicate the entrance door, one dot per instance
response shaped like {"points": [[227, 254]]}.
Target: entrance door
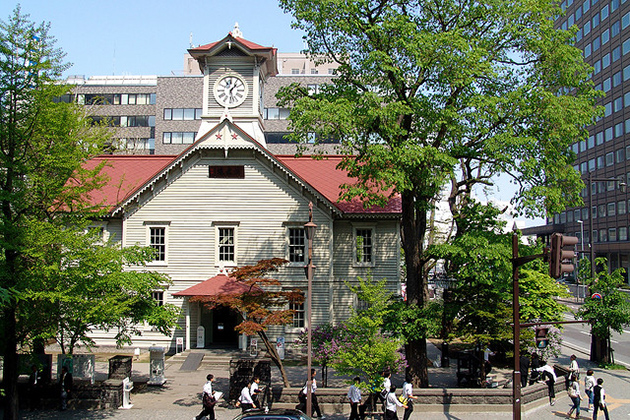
{"points": [[223, 322]]}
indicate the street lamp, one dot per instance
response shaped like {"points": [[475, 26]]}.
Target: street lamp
{"points": [[309, 228], [577, 274], [622, 188]]}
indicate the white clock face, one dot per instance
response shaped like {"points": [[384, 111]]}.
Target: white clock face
{"points": [[230, 91]]}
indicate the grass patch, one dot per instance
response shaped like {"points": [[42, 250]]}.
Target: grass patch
{"points": [[612, 366]]}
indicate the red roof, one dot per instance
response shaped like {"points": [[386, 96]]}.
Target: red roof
{"points": [[326, 178], [125, 174], [247, 44], [128, 173], [215, 286]]}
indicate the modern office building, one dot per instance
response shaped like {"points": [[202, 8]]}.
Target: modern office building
{"points": [[602, 159]]}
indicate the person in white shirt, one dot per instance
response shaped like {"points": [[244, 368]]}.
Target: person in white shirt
{"points": [[245, 399], [574, 394], [407, 392], [573, 367], [354, 395], [254, 390], [208, 409], [550, 375], [391, 404], [314, 402], [589, 384]]}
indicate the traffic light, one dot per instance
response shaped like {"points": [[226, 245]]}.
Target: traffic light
{"points": [[541, 337], [558, 254]]}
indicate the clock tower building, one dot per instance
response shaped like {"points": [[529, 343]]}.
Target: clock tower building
{"points": [[235, 73]]}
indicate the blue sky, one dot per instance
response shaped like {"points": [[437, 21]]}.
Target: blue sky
{"points": [[151, 37]]}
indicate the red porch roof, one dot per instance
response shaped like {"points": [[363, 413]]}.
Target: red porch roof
{"points": [[215, 286]]}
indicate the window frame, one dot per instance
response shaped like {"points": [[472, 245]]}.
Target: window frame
{"points": [[356, 228], [290, 246], [218, 227], [149, 241]]}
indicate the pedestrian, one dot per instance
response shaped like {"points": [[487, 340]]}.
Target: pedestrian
{"points": [[574, 394], [387, 383], [245, 399], [524, 367], [599, 399], [407, 397], [354, 396], [391, 404], [65, 381], [548, 375], [34, 387], [254, 391], [573, 367], [314, 402], [589, 384], [207, 399]]}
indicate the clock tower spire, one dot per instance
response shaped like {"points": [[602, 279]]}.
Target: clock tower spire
{"points": [[235, 72]]}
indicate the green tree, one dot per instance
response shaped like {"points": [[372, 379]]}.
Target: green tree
{"points": [[45, 207], [438, 91], [610, 312], [85, 284], [261, 305], [367, 350]]}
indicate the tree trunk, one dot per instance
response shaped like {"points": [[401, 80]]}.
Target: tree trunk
{"points": [[414, 226], [599, 349], [273, 354], [10, 371]]}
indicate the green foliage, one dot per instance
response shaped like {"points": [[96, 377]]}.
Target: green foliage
{"points": [[612, 311], [480, 260], [365, 349]]}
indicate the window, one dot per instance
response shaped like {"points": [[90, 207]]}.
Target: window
{"points": [[586, 28], [608, 134], [226, 171], [298, 314], [226, 244], [619, 130], [363, 250], [182, 114], [620, 155], [587, 50], [625, 21], [178, 137], [600, 162], [610, 160], [297, 245], [615, 29], [601, 210], [614, 5], [586, 5], [604, 13], [622, 234], [621, 207], [608, 106], [612, 209], [158, 295], [612, 234], [295, 71], [617, 105], [616, 54], [605, 38], [616, 79], [591, 142], [595, 20], [606, 61], [606, 84], [599, 138], [597, 67], [157, 241]]}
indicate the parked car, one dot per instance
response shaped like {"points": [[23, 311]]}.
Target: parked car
{"points": [[273, 414]]}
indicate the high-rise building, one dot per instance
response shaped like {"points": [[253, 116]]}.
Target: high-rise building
{"points": [[602, 222]]}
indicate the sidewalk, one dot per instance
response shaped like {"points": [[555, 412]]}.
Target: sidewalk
{"points": [[179, 397]]}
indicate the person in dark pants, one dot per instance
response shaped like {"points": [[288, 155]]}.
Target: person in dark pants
{"points": [[208, 399], [599, 399], [66, 387], [407, 392], [354, 396], [34, 387], [524, 362], [534, 365], [391, 404], [547, 373]]}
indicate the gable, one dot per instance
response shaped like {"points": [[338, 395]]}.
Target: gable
{"points": [[131, 176]]}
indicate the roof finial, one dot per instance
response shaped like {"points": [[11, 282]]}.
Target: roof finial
{"points": [[236, 33]]}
